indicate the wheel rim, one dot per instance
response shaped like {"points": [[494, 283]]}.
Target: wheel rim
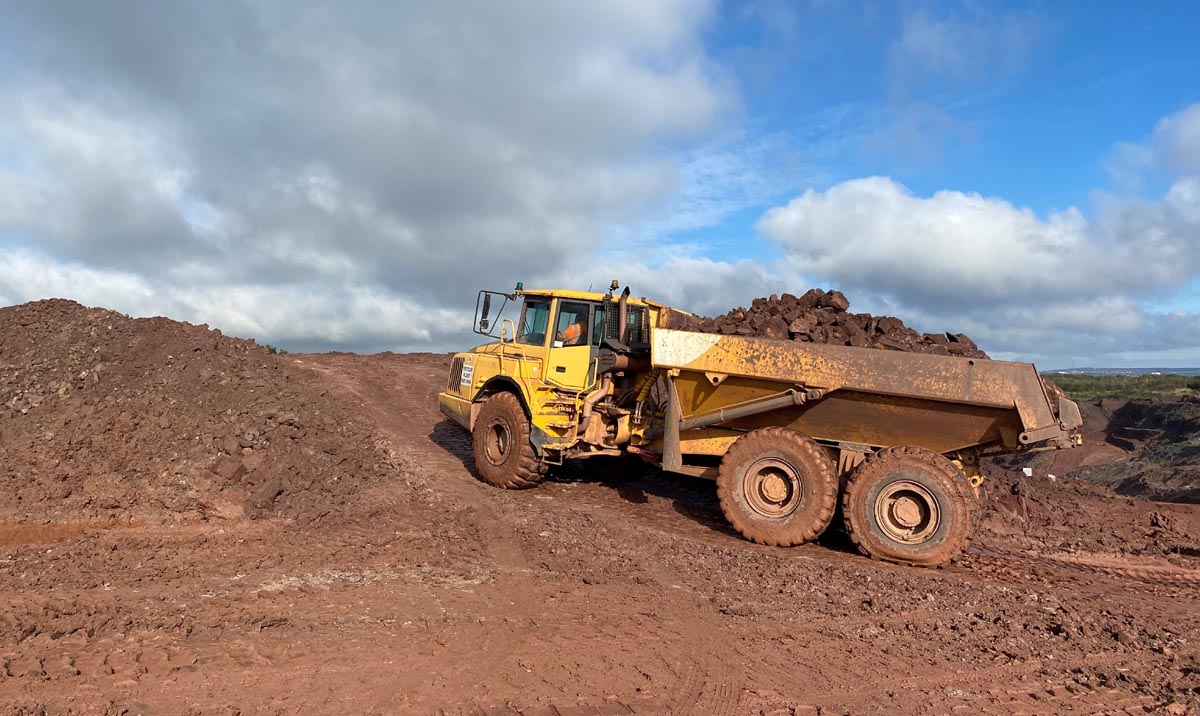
{"points": [[907, 512], [497, 442], [772, 487]]}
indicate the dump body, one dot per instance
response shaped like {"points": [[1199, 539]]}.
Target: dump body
{"points": [[860, 397]]}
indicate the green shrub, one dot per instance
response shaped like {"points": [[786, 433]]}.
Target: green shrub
{"points": [[1092, 387]]}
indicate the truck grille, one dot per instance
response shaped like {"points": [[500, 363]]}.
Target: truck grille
{"points": [[456, 369]]}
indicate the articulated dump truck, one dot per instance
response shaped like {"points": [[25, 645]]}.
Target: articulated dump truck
{"points": [[788, 430]]}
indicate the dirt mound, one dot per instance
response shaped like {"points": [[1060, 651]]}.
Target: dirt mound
{"points": [[824, 317], [1073, 515], [105, 417]]}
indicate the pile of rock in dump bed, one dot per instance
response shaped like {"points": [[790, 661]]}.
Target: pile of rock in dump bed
{"points": [[824, 317], [106, 417]]}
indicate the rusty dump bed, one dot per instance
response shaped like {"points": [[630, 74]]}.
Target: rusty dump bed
{"points": [[861, 396]]}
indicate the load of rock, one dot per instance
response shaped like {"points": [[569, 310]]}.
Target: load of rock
{"points": [[820, 316]]}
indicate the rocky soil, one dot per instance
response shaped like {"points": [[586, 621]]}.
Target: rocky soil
{"points": [[1147, 448], [108, 418], [143, 570], [1162, 440]]}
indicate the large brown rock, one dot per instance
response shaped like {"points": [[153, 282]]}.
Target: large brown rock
{"points": [[774, 327], [835, 300]]}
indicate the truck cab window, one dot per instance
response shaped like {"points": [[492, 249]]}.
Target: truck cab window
{"points": [[598, 325], [572, 326], [535, 319]]}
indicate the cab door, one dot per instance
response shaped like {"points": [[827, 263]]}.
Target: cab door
{"points": [[569, 364]]}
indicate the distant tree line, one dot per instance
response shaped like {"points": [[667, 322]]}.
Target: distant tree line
{"points": [[1094, 387]]}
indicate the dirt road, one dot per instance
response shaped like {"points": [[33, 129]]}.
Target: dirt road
{"points": [[437, 594]]}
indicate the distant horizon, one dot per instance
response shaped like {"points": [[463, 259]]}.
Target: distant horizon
{"points": [[374, 349], [1095, 370]]}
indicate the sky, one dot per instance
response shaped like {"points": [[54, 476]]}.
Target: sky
{"points": [[348, 175]]}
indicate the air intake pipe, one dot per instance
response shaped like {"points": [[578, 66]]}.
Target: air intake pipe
{"points": [[623, 316]]}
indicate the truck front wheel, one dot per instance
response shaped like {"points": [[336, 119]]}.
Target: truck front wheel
{"points": [[504, 456], [909, 505], [777, 487]]}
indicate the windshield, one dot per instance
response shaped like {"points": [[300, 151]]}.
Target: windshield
{"points": [[535, 318]]}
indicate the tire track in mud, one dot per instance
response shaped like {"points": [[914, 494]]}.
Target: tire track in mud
{"points": [[1123, 573], [418, 454], [488, 516], [1018, 688], [710, 685], [661, 506], [1164, 575]]}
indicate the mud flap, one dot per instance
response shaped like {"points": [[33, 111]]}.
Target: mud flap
{"points": [[538, 438]]}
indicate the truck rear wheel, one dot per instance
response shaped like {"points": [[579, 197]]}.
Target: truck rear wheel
{"points": [[777, 487], [504, 456], [909, 505]]}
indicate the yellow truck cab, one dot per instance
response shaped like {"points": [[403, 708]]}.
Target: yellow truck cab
{"points": [[546, 354]]}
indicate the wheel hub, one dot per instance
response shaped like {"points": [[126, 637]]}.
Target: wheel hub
{"points": [[497, 443], [907, 512], [772, 487]]}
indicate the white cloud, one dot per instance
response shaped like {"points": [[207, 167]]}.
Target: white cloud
{"points": [[25, 274], [350, 176], [1063, 287], [1060, 286], [1176, 141], [971, 250], [374, 159], [693, 283], [1172, 149], [346, 317]]}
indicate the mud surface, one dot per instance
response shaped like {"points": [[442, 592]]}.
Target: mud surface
{"points": [[420, 590]]}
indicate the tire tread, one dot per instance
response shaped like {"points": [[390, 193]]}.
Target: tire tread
{"points": [[863, 478], [527, 470], [784, 534]]}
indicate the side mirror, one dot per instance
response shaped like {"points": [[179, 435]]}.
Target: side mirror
{"points": [[483, 315]]}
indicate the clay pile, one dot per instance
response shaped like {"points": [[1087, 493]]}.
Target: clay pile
{"points": [[824, 317], [105, 417]]}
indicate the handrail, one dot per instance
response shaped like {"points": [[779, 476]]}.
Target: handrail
{"points": [[521, 349]]}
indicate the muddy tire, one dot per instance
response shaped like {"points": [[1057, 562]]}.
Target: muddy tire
{"points": [[504, 457], [777, 487], [909, 505]]}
